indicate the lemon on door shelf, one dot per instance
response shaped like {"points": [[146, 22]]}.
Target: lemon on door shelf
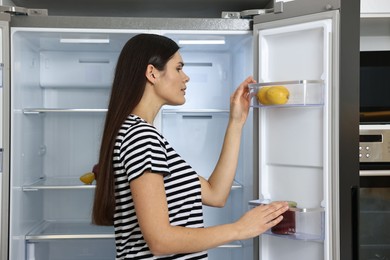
{"points": [[273, 95]]}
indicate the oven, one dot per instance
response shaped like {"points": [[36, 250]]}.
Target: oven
{"points": [[374, 154], [374, 201]]}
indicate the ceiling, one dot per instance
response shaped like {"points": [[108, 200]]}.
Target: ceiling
{"points": [[144, 8]]}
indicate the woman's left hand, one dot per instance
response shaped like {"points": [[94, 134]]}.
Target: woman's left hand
{"points": [[239, 102]]}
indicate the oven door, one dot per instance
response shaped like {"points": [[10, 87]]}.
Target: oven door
{"points": [[374, 214]]}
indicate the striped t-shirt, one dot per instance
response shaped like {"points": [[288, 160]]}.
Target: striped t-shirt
{"points": [[139, 147]]}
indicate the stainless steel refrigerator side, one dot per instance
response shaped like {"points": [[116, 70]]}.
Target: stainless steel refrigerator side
{"points": [[349, 127], [4, 196], [136, 23]]}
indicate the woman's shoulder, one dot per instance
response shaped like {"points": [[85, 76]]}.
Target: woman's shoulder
{"points": [[136, 127]]}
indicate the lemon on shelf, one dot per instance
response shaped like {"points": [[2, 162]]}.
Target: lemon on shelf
{"points": [[278, 95], [273, 95], [261, 96], [87, 178]]}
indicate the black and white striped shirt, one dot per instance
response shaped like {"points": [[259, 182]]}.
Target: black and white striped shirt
{"points": [[139, 147]]}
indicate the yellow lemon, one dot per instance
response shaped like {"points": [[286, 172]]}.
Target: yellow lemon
{"points": [[277, 95], [261, 95], [87, 178]]}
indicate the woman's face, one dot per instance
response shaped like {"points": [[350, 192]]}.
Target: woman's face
{"points": [[172, 81]]}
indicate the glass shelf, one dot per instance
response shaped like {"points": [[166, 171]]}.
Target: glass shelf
{"points": [[234, 244], [56, 183], [304, 231], [54, 230], [190, 111], [33, 111], [62, 183], [299, 93], [61, 230], [236, 185]]}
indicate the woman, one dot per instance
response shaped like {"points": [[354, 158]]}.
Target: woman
{"points": [[150, 194]]}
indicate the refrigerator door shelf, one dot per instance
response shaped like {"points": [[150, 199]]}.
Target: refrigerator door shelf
{"points": [[54, 230], [299, 236], [300, 93], [297, 209], [56, 183], [310, 224]]}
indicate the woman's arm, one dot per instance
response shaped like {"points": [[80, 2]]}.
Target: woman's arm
{"points": [[216, 189], [163, 239]]}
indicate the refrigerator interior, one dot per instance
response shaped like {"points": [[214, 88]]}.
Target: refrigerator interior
{"points": [[294, 137], [59, 92]]}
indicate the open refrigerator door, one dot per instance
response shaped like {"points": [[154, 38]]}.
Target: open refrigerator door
{"points": [[4, 88], [297, 113], [293, 137]]}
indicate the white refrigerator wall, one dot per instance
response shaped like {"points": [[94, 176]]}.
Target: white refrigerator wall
{"points": [[293, 144], [58, 109]]}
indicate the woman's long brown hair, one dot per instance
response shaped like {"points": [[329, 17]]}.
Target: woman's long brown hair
{"points": [[127, 90]]}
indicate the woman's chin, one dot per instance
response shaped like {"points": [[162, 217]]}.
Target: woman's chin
{"points": [[178, 103]]}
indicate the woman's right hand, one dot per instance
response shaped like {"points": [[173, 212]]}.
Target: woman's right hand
{"points": [[259, 219]]}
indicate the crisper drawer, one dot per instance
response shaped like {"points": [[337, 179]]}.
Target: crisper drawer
{"points": [[197, 136]]}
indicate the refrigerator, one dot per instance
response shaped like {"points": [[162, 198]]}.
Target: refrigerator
{"points": [[56, 84]]}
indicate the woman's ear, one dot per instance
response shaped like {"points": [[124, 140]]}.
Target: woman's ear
{"points": [[151, 73]]}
